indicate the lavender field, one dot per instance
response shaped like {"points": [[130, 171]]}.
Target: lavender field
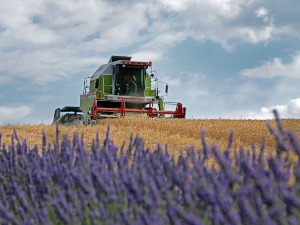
{"points": [[72, 184]]}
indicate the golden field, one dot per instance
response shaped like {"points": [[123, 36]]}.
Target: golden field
{"points": [[178, 134]]}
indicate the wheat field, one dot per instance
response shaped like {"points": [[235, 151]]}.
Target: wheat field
{"points": [[177, 134]]}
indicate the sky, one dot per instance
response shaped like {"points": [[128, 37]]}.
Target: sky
{"points": [[222, 59]]}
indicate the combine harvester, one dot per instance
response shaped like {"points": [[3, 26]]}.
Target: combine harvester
{"points": [[122, 88]]}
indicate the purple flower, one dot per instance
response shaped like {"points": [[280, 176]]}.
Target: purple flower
{"points": [[7, 216], [247, 212]]}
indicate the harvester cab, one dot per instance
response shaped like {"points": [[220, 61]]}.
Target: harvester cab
{"points": [[125, 88]]}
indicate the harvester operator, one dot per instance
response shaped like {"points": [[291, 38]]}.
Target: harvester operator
{"points": [[130, 84]]}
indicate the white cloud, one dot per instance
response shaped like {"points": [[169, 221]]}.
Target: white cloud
{"points": [[288, 110], [264, 14], [9, 113], [254, 35], [39, 66], [146, 56], [225, 21], [188, 87], [294, 107], [165, 39], [174, 5], [193, 82], [21, 29], [275, 68], [45, 41], [171, 81]]}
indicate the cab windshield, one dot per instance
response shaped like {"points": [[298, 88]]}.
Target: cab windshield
{"points": [[130, 80]]}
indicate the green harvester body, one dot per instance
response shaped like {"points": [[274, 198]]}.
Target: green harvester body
{"points": [[122, 88]]}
